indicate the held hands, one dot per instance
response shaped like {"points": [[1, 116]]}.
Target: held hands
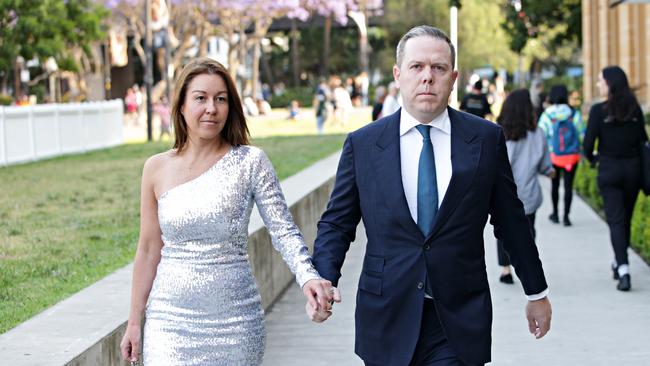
{"points": [[320, 295], [538, 313], [130, 345]]}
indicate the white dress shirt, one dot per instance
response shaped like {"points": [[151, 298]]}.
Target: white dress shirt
{"points": [[410, 146]]}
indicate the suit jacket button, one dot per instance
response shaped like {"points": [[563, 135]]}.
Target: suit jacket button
{"points": [[420, 285], [427, 247]]}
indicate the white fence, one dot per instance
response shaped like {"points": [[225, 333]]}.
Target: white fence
{"points": [[48, 130]]}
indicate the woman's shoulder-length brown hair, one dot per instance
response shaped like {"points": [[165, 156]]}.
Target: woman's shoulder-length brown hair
{"points": [[235, 132]]}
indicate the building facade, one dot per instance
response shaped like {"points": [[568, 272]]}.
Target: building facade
{"points": [[616, 33]]}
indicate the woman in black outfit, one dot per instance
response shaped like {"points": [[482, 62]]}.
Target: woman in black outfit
{"points": [[618, 125]]}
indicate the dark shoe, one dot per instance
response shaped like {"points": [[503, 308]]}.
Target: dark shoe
{"points": [[553, 218], [507, 279], [615, 273], [624, 283], [566, 221]]}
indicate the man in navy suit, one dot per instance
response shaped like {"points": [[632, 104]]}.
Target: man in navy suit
{"points": [[424, 181]]}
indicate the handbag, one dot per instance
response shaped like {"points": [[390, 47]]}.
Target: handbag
{"points": [[645, 168]]}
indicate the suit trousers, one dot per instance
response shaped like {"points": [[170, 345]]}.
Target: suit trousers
{"points": [[502, 255], [619, 182], [432, 348]]}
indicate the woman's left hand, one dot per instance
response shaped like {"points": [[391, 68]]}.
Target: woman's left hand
{"points": [[320, 294]]}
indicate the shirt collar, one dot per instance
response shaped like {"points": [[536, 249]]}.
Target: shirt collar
{"points": [[441, 122]]}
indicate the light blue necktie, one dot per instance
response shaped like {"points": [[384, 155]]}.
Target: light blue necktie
{"points": [[427, 185]]}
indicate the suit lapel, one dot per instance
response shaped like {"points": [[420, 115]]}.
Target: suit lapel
{"points": [[465, 156], [389, 174]]}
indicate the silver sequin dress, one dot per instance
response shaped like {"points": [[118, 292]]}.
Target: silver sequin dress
{"points": [[204, 307]]}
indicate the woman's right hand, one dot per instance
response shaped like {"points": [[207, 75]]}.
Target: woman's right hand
{"points": [[131, 342]]}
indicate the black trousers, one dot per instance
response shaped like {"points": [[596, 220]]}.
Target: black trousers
{"points": [[504, 259], [568, 187], [619, 182]]}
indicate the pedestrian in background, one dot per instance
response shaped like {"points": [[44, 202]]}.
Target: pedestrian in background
{"points": [[321, 100], [618, 126], [476, 102], [380, 96], [163, 110], [342, 101], [391, 102], [564, 130], [528, 155]]}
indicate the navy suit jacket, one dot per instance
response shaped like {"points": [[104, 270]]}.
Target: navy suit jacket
{"points": [[398, 257]]}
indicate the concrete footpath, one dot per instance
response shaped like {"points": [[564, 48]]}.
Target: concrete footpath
{"points": [[593, 323]]}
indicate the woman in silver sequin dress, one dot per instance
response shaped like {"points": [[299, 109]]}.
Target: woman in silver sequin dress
{"points": [[191, 275]]}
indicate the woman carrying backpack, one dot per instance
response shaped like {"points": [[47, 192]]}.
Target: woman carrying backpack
{"points": [[618, 126], [528, 156], [564, 130]]}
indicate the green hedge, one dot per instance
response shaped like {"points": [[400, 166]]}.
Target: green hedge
{"points": [[585, 184], [304, 96], [5, 99]]}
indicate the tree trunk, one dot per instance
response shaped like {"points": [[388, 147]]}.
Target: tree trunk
{"points": [[137, 40], [270, 78], [295, 54], [361, 21], [326, 46], [233, 63], [257, 52], [363, 52], [243, 51], [52, 87], [177, 60], [17, 91], [520, 72], [203, 42]]}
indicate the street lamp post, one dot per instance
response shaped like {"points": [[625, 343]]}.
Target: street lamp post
{"points": [[453, 29], [148, 74]]}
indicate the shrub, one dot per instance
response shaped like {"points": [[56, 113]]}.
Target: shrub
{"points": [[304, 96], [6, 99]]}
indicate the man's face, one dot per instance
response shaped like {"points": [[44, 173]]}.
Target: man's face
{"points": [[425, 77]]}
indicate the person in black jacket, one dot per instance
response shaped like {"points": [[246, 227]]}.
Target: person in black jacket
{"points": [[618, 125], [476, 102]]}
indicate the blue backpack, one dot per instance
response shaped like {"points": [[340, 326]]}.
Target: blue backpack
{"points": [[565, 136]]}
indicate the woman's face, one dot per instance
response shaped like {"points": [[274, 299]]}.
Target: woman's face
{"points": [[205, 108], [603, 88]]}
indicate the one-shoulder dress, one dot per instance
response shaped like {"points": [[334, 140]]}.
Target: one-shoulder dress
{"points": [[204, 307]]}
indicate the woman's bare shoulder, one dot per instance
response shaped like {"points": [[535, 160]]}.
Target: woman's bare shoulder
{"points": [[159, 162]]}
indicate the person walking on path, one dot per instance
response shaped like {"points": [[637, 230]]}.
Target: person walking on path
{"points": [[191, 273], [380, 96], [342, 102], [391, 102], [475, 102], [564, 130], [424, 181], [163, 111], [321, 103], [618, 126], [528, 155]]}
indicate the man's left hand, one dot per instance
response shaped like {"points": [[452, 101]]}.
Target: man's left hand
{"points": [[538, 313]]}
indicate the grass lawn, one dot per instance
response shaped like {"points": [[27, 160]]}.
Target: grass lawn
{"points": [[67, 222]]}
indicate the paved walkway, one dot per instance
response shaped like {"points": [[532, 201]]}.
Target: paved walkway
{"points": [[593, 323]]}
